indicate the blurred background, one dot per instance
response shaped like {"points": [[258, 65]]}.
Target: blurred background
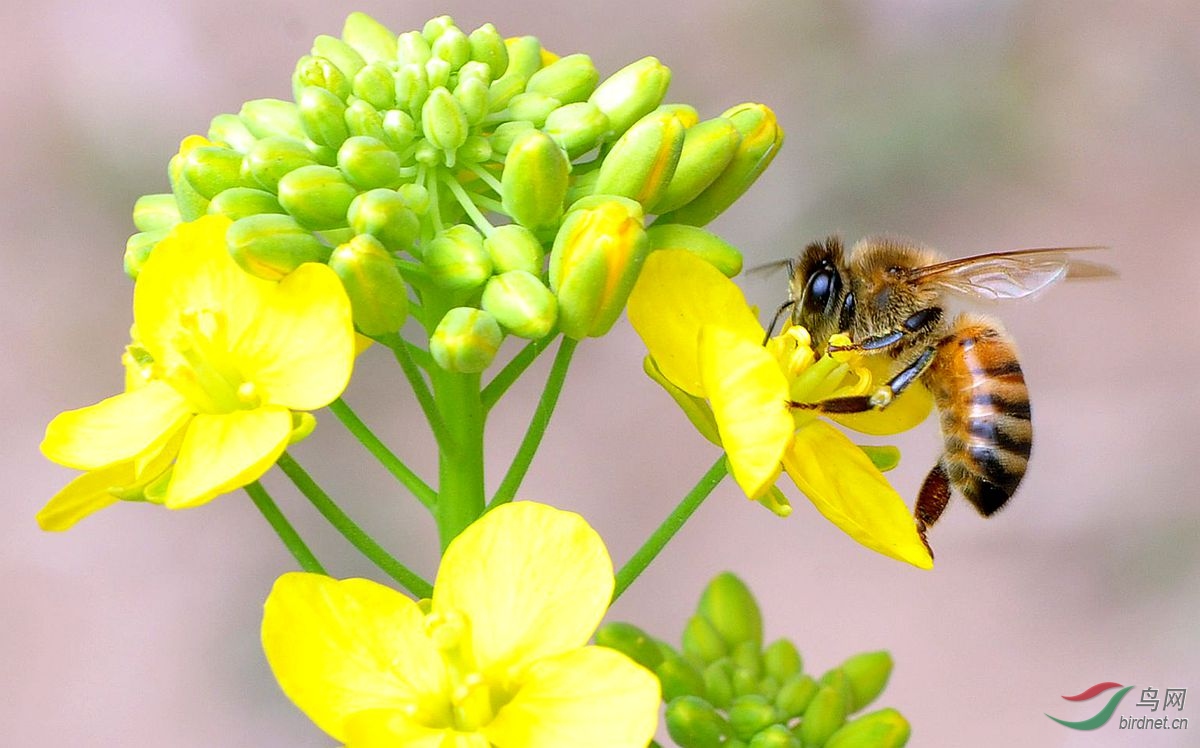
{"points": [[969, 126]]}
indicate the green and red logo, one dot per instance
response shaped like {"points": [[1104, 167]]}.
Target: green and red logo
{"points": [[1101, 716]]}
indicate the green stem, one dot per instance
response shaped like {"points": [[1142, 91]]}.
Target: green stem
{"points": [[279, 523], [399, 348], [481, 222], [488, 178], [495, 389], [537, 424], [350, 530], [380, 452], [460, 454], [671, 525]]}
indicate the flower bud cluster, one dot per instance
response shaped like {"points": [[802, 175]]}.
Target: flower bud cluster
{"points": [[493, 176], [722, 687]]}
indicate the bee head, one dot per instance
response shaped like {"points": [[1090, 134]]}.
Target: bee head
{"points": [[818, 287]]}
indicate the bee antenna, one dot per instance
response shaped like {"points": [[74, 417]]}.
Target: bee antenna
{"points": [[775, 320]]}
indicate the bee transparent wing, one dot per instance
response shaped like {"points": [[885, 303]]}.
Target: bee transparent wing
{"points": [[1010, 275]]}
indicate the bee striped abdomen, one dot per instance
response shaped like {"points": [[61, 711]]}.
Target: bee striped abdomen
{"points": [[981, 395]]}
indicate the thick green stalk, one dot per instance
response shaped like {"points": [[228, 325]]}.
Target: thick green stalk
{"points": [[671, 525], [380, 452], [279, 523], [460, 454]]}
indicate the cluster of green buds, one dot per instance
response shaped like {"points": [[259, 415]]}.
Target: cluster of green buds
{"points": [[485, 184], [724, 688]]}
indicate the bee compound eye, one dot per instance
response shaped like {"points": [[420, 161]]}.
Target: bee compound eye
{"points": [[820, 290]]}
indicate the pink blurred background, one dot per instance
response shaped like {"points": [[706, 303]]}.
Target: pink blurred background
{"points": [[972, 127]]}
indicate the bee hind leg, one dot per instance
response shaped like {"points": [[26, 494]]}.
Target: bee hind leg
{"points": [[931, 501]]}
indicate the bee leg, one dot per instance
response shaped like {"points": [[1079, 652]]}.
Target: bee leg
{"points": [[916, 322], [775, 320], [880, 398], [931, 501]]}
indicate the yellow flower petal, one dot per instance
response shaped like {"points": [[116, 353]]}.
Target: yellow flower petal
{"points": [[300, 349], [908, 409], [226, 451], [116, 429], [676, 294], [532, 580], [748, 394], [87, 494], [388, 728], [697, 410], [592, 697], [844, 486], [342, 647]]}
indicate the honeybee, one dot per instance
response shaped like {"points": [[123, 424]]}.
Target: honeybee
{"points": [[888, 295]]}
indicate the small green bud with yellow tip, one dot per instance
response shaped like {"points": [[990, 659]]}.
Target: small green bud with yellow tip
{"points": [[524, 56], [631, 93], [271, 158], [375, 85], [514, 247], [152, 212], [348, 60], [368, 163], [794, 695], [774, 736], [138, 248], [568, 79], [466, 340], [577, 128], [868, 675], [749, 714], [597, 255], [631, 641], [685, 113], [191, 203], [836, 678], [642, 161], [317, 196], [211, 169], [271, 245], [378, 295], [323, 73], [730, 607], [704, 244], [708, 147], [370, 38], [825, 714], [387, 216], [693, 723], [323, 116], [701, 642], [885, 728], [267, 117], [521, 303], [444, 122], [457, 260], [487, 46], [230, 130], [534, 181], [239, 202], [781, 659]]}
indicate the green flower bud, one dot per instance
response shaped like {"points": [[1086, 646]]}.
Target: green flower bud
{"points": [[749, 714], [322, 73], [597, 255], [707, 150], [472, 96], [386, 215], [885, 728], [744, 682], [704, 244], [271, 158], [348, 60], [678, 677], [701, 642], [884, 457], [323, 116], [412, 87], [153, 212], [794, 695], [685, 113], [369, 38], [577, 128], [138, 248], [532, 107], [514, 247], [534, 181], [191, 203], [267, 117], [399, 128], [303, 424], [413, 49], [487, 46], [769, 687], [583, 186], [271, 245], [324, 155], [316, 196], [475, 150], [239, 202], [503, 89], [568, 79], [453, 47], [693, 723], [375, 85], [457, 260], [435, 27], [364, 119], [761, 138], [867, 674], [521, 303], [506, 134], [475, 71], [368, 163], [212, 169], [631, 93], [774, 736], [378, 296], [416, 197], [444, 122], [631, 641], [643, 160], [437, 71], [524, 56], [825, 714], [836, 678], [782, 659], [230, 130], [466, 340], [732, 610], [747, 658], [718, 683]]}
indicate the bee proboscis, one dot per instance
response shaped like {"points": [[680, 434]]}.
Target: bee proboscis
{"points": [[889, 296]]}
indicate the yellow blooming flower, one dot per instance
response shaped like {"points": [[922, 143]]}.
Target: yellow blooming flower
{"points": [[706, 349], [497, 657], [220, 361]]}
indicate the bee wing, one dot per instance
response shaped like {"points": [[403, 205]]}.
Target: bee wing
{"points": [[770, 268], [1010, 275]]}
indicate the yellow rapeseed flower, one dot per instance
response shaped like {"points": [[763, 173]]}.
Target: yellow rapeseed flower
{"points": [[219, 362], [496, 658], [706, 349]]}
